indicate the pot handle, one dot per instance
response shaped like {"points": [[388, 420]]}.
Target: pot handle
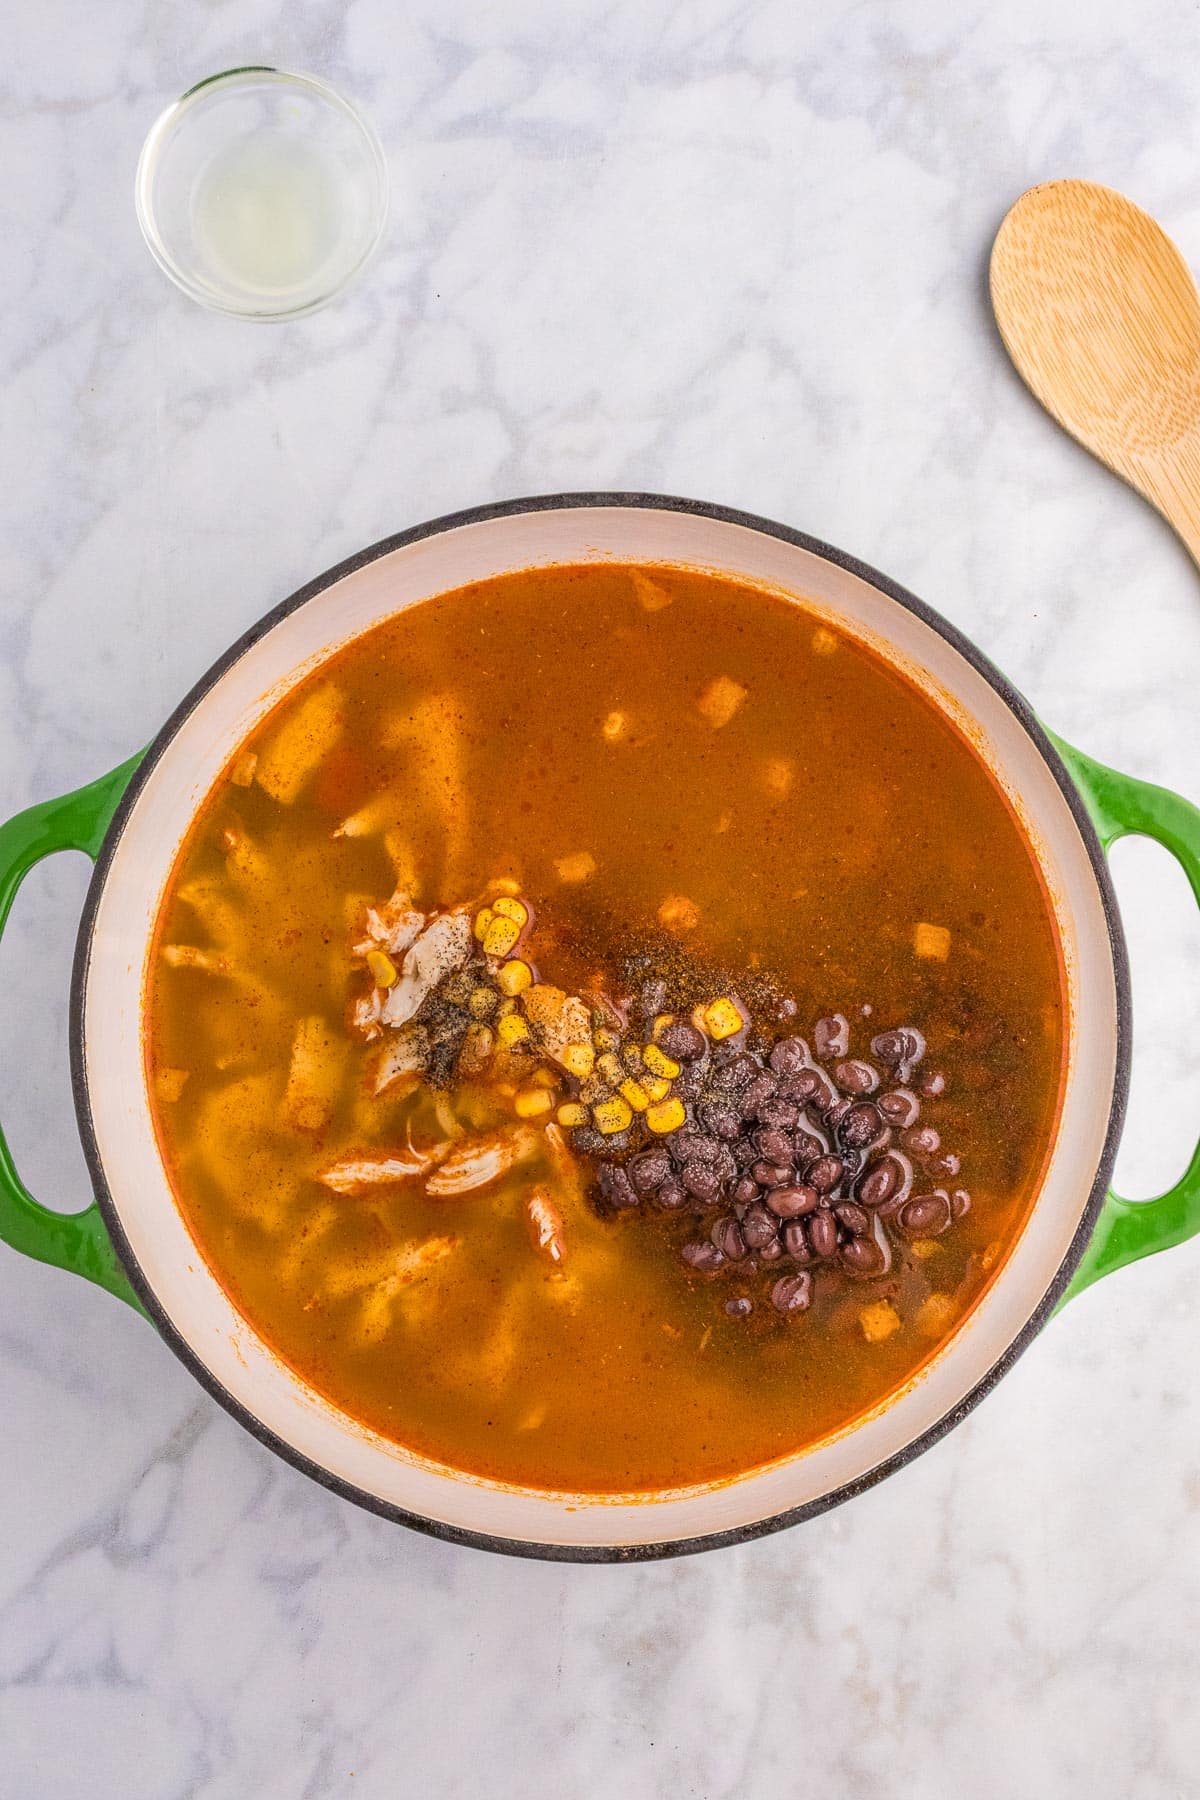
{"points": [[1121, 806], [75, 1241]]}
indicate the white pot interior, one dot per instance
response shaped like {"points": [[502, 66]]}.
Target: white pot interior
{"points": [[186, 1290]]}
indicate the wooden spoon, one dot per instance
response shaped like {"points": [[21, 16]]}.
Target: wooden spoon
{"points": [[1100, 314]]}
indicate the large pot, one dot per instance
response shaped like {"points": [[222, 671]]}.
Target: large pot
{"points": [[134, 1241]]}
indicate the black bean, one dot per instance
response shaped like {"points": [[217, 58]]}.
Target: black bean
{"points": [[831, 1036], [586, 1140], [884, 1180], [802, 1086], [923, 1140], [689, 1083], [756, 1093], [947, 1164], [891, 1047], [825, 1094], [734, 1073], [701, 1181], [779, 1111], [856, 1219], [855, 1077], [671, 1195], [723, 1165], [789, 1056], [960, 1202], [863, 1257], [745, 1152], [900, 1108], [795, 1241], [705, 1257], [822, 1233], [616, 1186], [771, 1252], [792, 1293], [914, 1050], [933, 1084], [927, 1215], [825, 1173], [650, 1169], [683, 1041], [759, 1226], [615, 1144], [651, 999], [771, 1175], [837, 1112], [807, 1145], [729, 1238], [776, 1146], [745, 1189], [720, 1120], [739, 1308], [792, 1202], [689, 1145], [861, 1126]]}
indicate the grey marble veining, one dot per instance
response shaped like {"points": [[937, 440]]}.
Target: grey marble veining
{"points": [[733, 249]]}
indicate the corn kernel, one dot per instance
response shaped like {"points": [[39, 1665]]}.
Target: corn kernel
{"points": [[879, 1321], [678, 913], [514, 977], [383, 969], [612, 1116], [500, 936], [481, 1003], [508, 908], [242, 773], [604, 1039], [578, 1060], [482, 920], [635, 1094], [609, 1066], [720, 700], [659, 1063], [546, 1077], [667, 1115], [511, 1029], [823, 642], [656, 1087], [662, 1020], [533, 1103], [934, 1315], [722, 1018], [504, 884], [932, 941], [631, 1056], [614, 728], [593, 1091], [571, 1114], [506, 1006], [579, 866]]}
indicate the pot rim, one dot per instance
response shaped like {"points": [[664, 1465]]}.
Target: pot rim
{"points": [[671, 1547]]}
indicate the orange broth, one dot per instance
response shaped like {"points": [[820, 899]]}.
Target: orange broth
{"points": [[474, 736]]}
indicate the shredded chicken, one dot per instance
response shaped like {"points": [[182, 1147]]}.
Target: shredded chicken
{"points": [[545, 1226], [363, 1174], [442, 946], [480, 1160]]}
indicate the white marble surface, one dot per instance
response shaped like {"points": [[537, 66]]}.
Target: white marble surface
{"points": [[734, 249]]}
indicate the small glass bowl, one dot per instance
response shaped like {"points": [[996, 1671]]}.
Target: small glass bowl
{"points": [[262, 193]]}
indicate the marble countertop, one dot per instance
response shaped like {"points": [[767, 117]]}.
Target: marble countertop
{"points": [[734, 249]]}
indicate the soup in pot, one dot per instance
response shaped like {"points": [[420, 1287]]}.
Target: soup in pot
{"points": [[606, 1028]]}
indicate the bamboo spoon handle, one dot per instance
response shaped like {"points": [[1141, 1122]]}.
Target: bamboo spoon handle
{"points": [[1100, 314]]}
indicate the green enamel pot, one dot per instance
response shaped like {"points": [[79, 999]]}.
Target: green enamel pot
{"points": [[133, 1241]]}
